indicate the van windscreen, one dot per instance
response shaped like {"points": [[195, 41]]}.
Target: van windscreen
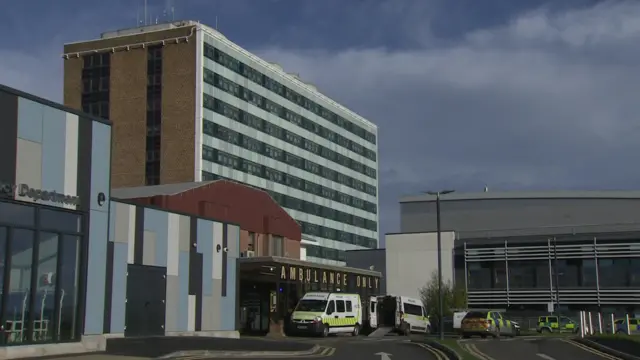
{"points": [[311, 305]]}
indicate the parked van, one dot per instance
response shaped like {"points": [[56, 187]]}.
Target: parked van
{"points": [[324, 313], [400, 313]]}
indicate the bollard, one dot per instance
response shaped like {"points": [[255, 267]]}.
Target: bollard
{"points": [[613, 323], [582, 324], [591, 332], [627, 324], [600, 323]]}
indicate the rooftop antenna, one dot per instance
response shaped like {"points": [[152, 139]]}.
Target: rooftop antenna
{"points": [[486, 188], [145, 12]]}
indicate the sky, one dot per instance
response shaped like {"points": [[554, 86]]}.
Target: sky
{"points": [[513, 95]]}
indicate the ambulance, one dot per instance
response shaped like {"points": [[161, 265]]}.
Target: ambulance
{"points": [[325, 313], [400, 314]]}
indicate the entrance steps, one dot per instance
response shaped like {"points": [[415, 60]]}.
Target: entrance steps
{"points": [[381, 331]]}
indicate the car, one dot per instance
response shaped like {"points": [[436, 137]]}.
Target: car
{"points": [[516, 327], [486, 323]]}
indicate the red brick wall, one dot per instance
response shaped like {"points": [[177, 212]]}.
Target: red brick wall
{"points": [[253, 210]]}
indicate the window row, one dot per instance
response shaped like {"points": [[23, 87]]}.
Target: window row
{"points": [[325, 253], [249, 167], [95, 85], [286, 114], [287, 93], [97, 60], [529, 274], [247, 119], [312, 229], [261, 148], [39, 272], [12, 214]]}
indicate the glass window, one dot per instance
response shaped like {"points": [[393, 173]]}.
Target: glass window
{"points": [[276, 246], [68, 297], [15, 214], [332, 307], [340, 306], [589, 276], [349, 306], [528, 274], [45, 291], [613, 272], [19, 285], [59, 220], [412, 309]]}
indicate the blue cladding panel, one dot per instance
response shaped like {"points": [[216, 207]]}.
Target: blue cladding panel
{"points": [[205, 247], [158, 222], [183, 297], [100, 163], [119, 287], [30, 114], [96, 273], [54, 133], [228, 303]]}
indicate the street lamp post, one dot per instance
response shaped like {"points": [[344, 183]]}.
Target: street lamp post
{"points": [[439, 230]]}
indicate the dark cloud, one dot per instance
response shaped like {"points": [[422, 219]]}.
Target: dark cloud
{"points": [[463, 96], [547, 101]]}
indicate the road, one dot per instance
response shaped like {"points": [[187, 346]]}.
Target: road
{"points": [[359, 348], [533, 348]]}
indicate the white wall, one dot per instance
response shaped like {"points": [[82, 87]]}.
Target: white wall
{"points": [[303, 253], [411, 258]]}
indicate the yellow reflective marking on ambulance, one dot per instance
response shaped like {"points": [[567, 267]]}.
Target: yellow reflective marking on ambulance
{"points": [[341, 321]]}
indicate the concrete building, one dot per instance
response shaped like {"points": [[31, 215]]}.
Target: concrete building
{"points": [[189, 105], [532, 250], [169, 273], [54, 219], [271, 278], [78, 268], [370, 259]]}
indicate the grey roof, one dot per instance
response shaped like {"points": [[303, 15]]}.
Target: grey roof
{"points": [[49, 103], [156, 190], [498, 195], [303, 263]]}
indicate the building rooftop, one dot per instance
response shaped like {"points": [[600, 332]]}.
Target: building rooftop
{"points": [[157, 190], [500, 195], [274, 68]]}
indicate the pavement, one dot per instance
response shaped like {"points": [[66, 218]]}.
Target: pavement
{"points": [[531, 348]]}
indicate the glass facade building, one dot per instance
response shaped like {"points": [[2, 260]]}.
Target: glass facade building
{"points": [[573, 272], [54, 184], [268, 129]]}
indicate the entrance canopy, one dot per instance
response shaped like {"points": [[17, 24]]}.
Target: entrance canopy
{"points": [[314, 277]]}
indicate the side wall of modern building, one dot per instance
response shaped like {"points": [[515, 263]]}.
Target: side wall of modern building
{"points": [[501, 217], [370, 259], [56, 161], [313, 167], [200, 287], [411, 260]]}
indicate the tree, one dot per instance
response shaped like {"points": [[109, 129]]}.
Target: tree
{"points": [[455, 297]]}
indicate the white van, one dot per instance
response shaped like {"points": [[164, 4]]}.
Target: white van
{"points": [[325, 313], [401, 313]]}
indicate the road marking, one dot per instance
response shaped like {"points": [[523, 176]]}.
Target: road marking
{"points": [[384, 355], [593, 351], [473, 350], [439, 355], [545, 356]]}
